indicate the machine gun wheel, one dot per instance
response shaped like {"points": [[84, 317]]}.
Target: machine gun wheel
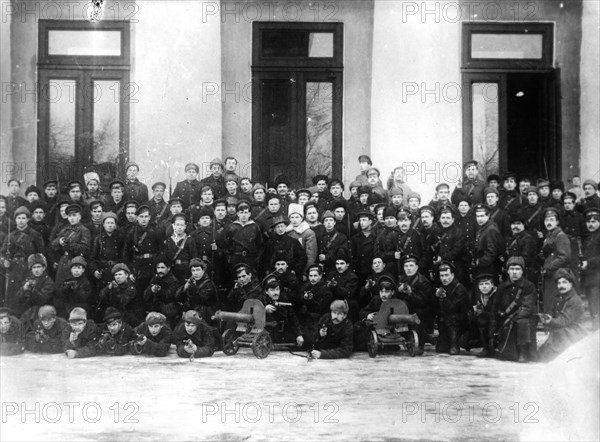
{"points": [[230, 346], [372, 344], [412, 343], [262, 345]]}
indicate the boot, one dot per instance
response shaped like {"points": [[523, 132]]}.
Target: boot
{"points": [[454, 350], [522, 351], [485, 351]]}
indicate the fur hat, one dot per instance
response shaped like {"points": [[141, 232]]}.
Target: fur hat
{"points": [[118, 267], [112, 314], [36, 258], [515, 261], [21, 211], [77, 314], [78, 260], [564, 273], [295, 208], [153, 318], [47, 311], [92, 176], [339, 305], [192, 317], [590, 182]]}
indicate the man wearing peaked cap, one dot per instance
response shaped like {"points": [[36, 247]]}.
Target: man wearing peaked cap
{"points": [[590, 265], [216, 180], [116, 334], [190, 189], [280, 242], [82, 339], [193, 337], [121, 294], [343, 282], [489, 245], [471, 185]]}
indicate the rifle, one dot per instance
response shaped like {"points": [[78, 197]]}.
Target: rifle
{"points": [[185, 344]]}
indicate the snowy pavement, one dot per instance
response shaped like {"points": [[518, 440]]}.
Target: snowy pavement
{"points": [[284, 397]]}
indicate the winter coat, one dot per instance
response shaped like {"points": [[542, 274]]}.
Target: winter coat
{"points": [[40, 340], [203, 338], [338, 343], [158, 345], [85, 344]]}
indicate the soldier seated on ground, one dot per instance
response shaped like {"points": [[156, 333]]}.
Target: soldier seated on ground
{"points": [[80, 340], [565, 323], [281, 320], [11, 334], [46, 334], [116, 334], [193, 337], [334, 337], [75, 291], [153, 336], [199, 293], [120, 292], [479, 334]]}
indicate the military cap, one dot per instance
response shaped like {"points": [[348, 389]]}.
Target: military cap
{"points": [[365, 159], [336, 181], [379, 206], [339, 305], [120, 267], [216, 161], [403, 214], [142, 209], [176, 200], [308, 205], [515, 261], [77, 314], [532, 189], [241, 266], [410, 258], [279, 219], [590, 182], [231, 177], [507, 175], [220, 202], [192, 317], [33, 189], [354, 183], [112, 314], [447, 265], [197, 262], [47, 312], [22, 211], [116, 184], [74, 183], [272, 196], [592, 212], [327, 214], [5, 311], [489, 190], [258, 186], [570, 195], [36, 258], [448, 208], [564, 273], [375, 198], [271, 282], [339, 204], [131, 203], [50, 183], [542, 182], [132, 163], [484, 277], [318, 178], [412, 195], [480, 207], [304, 192], [470, 163], [427, 208], [189, 166], [154, 318], [442, 185], [386, 281], [242, 205], [364, 213], [396, 191], [315, 266], [73, 208], [63, 202], [177, 216], [364, 189], [78, 261], [373, 171], [551, 211], [107, 215], [159, 183]]}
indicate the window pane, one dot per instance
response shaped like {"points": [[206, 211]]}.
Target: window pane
{"points": [[320, 44], [485, 126], [284, 43], [106, 122], [61, 142], [107, 43], [517, 46], [319, 137]]}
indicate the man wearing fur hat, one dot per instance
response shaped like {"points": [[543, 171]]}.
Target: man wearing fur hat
{"points": [[161, 294], [193, 337], [513, 315], [93, 191], [75, 291], [19, 243], [38, 288], [80, 339], [334, 336], [72, 240], [120, 293], [199, 292], [45, 335], [116, 335], [286, 326], [153, 336], [11, 334], [565, 319], [590, 198]]}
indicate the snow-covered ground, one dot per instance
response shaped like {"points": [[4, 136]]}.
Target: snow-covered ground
{"points": [[283, 397]]}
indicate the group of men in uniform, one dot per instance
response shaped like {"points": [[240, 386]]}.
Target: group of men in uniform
{"points": [[484, 264]]}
